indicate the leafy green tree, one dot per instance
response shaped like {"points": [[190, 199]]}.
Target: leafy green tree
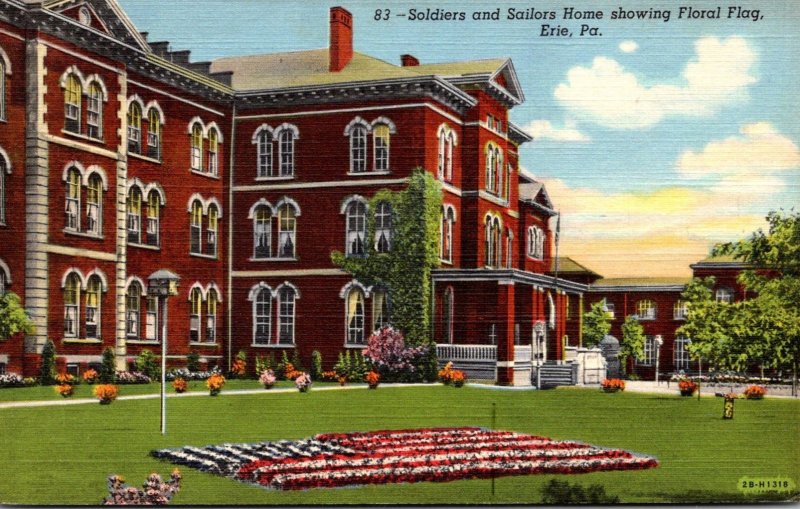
{"points": [[108, 367], [316, 365], [596, 325], [47, 366], [633, 339], [13, 317], [707, 325]]}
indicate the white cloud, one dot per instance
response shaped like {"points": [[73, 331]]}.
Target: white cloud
{"points": [[760, 150], [544, 130], [628, 46], [610, 95]]}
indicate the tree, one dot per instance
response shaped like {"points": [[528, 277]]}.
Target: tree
{"points": [[707, 325], [108, 367], [47, 366], [596, 324], [633, 339], [13, 317]]}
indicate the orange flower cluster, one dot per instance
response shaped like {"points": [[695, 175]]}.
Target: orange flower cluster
{"points": [[687, 387], [755, 392], [458, 378], [90, 376], [613, 385], [446, 373], [290, 373], [180, 385], [372, 378], [106, 393], [215, 383], [65, 378], [238, 367], [65, 390], [331, 376]]}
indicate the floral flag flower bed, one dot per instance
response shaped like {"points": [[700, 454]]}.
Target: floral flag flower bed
{"points": [[380, 457]]}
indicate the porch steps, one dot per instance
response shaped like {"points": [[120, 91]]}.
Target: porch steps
{"points": [[554, 375]]}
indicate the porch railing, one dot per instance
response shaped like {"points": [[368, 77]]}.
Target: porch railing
{"points": [[472, 353]]}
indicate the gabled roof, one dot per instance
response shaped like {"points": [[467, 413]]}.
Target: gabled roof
{"points": [[720, 262], [113, 19], [498, 73], [641, 284], [535, 193], [567, 265]]}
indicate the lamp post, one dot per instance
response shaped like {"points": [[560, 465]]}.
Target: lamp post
{"points": [[658, 342], [163, 284]]}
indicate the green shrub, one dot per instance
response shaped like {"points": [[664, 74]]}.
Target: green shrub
{"points": [[108, 368], [316, 365], [147, 363], [298, 365], [264, 363], [47, 369], [563, 493], [193, 362], [280, 369]]}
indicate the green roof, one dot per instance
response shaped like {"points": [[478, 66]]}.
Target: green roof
{"points": [[489, 66], [643, 281], [567, 265]]}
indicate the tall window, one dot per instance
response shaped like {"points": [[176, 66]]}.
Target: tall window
{"points": [[286, 141], [211, 231], [94, 201], [72, 298], [213, 152], [197, 147], [93, 288], [447, 140], [196, 228], [724, 295], [3, 282], [265, 168], [133, 301], [380, 140], [490, 168], [358, 149], [94, 115], [447, 310], [536, 240], [497, 233], [262, 232], [134, 216], [383, 227], [154, 134], [355, 317], [509, 248], [262, 317], [680, 310], [446, 234], [286, 307], [646, 310], [507, 187], [151, 326], [3, 170], [681, 353], [2, 89], [356, 228], [380, 309], [287, 231], [492, 243], [73, 206], [494, 168], [195, 308], [72, 104], [211, 316], [649, 352], [135, 128], [153, 218]]}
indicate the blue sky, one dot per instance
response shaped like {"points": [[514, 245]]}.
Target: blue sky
{"points": [[655, 140]]}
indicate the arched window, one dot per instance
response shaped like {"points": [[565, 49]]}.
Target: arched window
{"points": [[213, 152], [498, 170], [536, 238], [497, 234], [3, 170], [72, 104], [383, 227], [358, 149], [265, 168], [211, 316], [507, 189], [3, 71], [509, 248], [724, 295], [211, 230], [681, 352], [442, 153], [380, 309], [135, 128], [287, 231], [447, 310], [196, 228], [451, 142], [356, 228], [446, 234], [153, 218], [262, 317], [197, 147], [286, 307], [646, 310], [94, 205], [134, 215], [73, 206], [3, 282], [151, 325], [262, 232], [490, 168], [93, 289], [133, 301], [94, 112], [72, 298], [381, 137], [355, 316], [195, 308], [488, 249], [680, 310], [286, 141], [154, 134]]}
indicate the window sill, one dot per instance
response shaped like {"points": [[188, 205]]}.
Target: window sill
{"points": [[273, 259], [144, 158], [534, 258], [680, 319], [644, 319], [367, 173], [81, 136], [142, 342], [270, 179], [144, 246], [200, 255], [271, 345], [213, 345], [446, 262], [85, 235], [83, 341], [205, 174], [352, 346]]}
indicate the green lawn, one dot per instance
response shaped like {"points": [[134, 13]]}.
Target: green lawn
{"points": [[62, 455]]}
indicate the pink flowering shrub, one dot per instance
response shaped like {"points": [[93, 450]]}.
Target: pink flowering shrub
{"points": [[154, 490], [387, 354]]}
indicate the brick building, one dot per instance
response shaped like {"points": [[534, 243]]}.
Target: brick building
{"points": [[122, 157]]}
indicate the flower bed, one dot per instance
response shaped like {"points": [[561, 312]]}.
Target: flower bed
{"points": [[687, 387], [755, 392], [416, 455], [612, 385]]}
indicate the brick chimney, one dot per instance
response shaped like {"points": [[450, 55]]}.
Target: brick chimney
{"points": [[341, 47], [409, 60]]}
